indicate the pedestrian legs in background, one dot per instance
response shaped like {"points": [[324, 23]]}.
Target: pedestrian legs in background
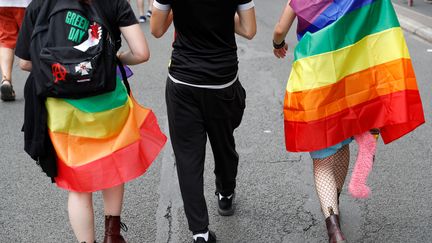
{"points": [[144, 16], [81, 214], [149, 10], [330, 176], [410, 2], [6, 62], [10, 23]]}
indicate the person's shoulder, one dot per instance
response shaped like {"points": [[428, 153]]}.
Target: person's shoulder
{"points": [[35, 6]]}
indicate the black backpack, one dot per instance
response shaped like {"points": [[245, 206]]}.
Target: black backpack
{"points": [[75, 51]]}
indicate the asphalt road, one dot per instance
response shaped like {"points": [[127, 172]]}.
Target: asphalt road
{"points": [[276, 199]]}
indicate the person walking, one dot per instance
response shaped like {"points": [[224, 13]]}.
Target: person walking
{"points": [[204, 97], [144, 17], [350, 58], [11, 16], [98, 142]]}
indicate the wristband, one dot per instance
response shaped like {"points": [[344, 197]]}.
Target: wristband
{"points": [[278, 46]]}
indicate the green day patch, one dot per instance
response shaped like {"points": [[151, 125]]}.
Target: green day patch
{"points": [[79, 26]]}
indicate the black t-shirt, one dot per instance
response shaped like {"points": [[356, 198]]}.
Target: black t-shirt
{"points": [[205, 50], [117, 12]]}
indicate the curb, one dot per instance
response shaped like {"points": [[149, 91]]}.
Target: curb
{"points": [[416, 28], [412, 22]]}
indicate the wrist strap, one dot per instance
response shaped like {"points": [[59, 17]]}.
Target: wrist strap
{"points": [[124, 76], [278, 46]]}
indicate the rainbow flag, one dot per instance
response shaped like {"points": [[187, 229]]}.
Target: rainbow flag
{"points": [[102, 141], [352, 72]]}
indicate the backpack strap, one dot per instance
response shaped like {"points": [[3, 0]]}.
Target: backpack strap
{"points": [[96, 8], [124, 76]]}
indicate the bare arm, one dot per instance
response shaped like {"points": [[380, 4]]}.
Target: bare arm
{"points": [[138, 48], [138, 52], [281, 29], [25, 65], [160, 21], [245, 23]]}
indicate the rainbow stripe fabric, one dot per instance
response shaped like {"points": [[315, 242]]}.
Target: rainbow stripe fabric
{"points": [[352, 72], [102, 141]]}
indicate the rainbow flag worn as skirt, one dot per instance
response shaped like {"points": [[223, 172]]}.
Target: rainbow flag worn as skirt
{"points": [[102, 141], [352, 72]]}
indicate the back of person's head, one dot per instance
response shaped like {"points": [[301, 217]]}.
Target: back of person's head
{"points": [[85, 1]]}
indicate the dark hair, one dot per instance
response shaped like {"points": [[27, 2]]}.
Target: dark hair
{"points": [[85, 1]]}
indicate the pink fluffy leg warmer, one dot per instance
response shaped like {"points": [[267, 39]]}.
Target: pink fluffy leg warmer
{"points": [[366, 151]]}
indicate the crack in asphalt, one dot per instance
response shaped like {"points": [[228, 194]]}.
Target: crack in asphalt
{"points": [[313, 224], [283, 161], [169, 198], [306, 221], [313, 221], [168, 216]]}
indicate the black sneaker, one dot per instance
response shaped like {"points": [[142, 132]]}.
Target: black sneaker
{"points": [[225, 204], [142, 19], [211, 238], [148, 14]]}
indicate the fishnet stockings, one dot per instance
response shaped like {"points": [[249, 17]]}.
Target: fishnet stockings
{"points": [[340, 165], [330, 176]]}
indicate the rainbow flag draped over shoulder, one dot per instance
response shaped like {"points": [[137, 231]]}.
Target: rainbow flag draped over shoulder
{"points": [[352, 72], [102, 141]]}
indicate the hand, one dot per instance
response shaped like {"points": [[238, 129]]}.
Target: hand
{"points": [[281, 52], [119, 53]]}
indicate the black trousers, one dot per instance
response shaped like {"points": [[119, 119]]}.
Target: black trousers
{"points": [[193, 114]]}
